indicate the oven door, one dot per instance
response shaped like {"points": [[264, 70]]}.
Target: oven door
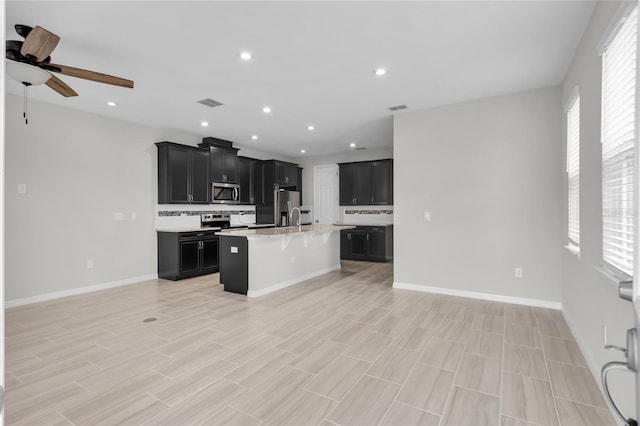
{"points": [[225, 193]]}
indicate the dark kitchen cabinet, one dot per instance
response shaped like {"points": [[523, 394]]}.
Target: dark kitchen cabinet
{"points": [[250, 180], [285, 173], [382, 182], [355, 184], [187, 254], [366, 183], [369, 243], [224, 164], [183, 174], [223, 159]]}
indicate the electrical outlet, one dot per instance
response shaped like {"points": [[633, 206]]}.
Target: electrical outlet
{"points": [[518, 272], [118, 216], [89, 263], [427, 216], [22, 188]]}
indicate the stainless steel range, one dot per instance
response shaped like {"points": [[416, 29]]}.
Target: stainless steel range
{"points": [[215, 220]]}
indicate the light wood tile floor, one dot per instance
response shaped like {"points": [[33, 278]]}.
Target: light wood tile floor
{"points": [[341, 349]]}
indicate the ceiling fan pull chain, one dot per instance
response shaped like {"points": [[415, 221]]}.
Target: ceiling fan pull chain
{"points": [[25, 105]]}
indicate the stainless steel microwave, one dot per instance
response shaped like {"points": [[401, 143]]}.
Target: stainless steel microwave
{"points": [[225, 193]]}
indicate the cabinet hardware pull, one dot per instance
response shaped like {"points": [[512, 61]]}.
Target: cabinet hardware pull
{"points": [[367, 237]]}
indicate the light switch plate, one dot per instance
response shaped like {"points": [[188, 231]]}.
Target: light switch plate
{"points": [[134, 216], [427, 216], [118, 216], [22, 188]]}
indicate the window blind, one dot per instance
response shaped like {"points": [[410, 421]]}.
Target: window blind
{"points": [[618, 141], [573, 171]]}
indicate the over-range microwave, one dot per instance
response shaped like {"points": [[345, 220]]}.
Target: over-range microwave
{"points": [[225, 193]]}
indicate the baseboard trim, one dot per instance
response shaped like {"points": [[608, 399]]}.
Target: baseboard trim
{"points": [[591, 363], [482, 296], [76, 291], [294, 281]]}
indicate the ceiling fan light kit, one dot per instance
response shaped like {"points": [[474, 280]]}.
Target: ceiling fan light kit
{"points": [[26, 74]]}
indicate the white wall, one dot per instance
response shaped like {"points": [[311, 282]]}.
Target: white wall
{"points": [[489, 171], [590, 299], [80, 169]]}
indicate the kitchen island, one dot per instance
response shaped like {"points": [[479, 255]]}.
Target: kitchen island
{"points": [[256, 262]]}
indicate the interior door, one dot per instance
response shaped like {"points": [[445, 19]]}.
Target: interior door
{"points": [[325, 194]]}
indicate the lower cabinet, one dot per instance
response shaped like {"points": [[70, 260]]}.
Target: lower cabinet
{"points": [[370, 243], [187, 254]]}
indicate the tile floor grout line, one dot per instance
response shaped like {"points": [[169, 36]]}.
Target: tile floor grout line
{"points": [[453, 383], [546, 364]]}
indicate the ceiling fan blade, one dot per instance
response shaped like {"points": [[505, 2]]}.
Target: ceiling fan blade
{"points": [[90, 75], [23, 30], [39, 43], [61, 87]]}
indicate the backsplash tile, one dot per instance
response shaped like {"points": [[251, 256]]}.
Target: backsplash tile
{"points": [[368, 212]]}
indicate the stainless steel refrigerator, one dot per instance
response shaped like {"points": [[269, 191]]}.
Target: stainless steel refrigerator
{"points": [[284, 202]]}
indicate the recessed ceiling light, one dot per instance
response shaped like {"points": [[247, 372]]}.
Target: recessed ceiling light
{"points": [[303, 151], [310, 127], [380, 71], [245, 55], [352, 144], [266, 110], [204, 124], [254, 137], [111, 103]]}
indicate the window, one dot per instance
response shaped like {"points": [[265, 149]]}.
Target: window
{"points": [[618, 141], [573, 171]]}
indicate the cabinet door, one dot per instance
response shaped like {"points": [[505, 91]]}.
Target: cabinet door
{"points": [[216, 161], [347, 184], [209, 255], [382, 183], [291, 174], [189, 256], [362, 186], [345, 244], [230, 160], [178, 175], [244, 179], [376, 245], [257, 183], [199, 177], [358, 244]]}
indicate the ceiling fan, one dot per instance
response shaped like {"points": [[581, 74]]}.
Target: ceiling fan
{"points": [[30, 62]]}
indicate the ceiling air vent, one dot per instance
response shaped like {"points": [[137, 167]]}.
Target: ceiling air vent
{"points": [[397, 107], [360, 148], [210, 103]]}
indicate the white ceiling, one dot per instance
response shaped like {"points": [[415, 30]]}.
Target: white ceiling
{"points": [[312, 62]]}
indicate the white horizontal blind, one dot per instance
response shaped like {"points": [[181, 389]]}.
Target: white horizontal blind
{"points": [[618, 140], [573, 171]]}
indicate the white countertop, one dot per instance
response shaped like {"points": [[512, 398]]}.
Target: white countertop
{"points": [[365, 224], [189, 229], [282, 232]]}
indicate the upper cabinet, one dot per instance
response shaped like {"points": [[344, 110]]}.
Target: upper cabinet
{"points": [[286, 173], [366, 183], [223, 160], [382, 182], [183, 174], [250, 181]]}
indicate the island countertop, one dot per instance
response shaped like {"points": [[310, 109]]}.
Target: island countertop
{"points": [[282, 232]]}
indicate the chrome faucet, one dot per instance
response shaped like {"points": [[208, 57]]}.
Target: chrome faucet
{"points": [[291, 217]]}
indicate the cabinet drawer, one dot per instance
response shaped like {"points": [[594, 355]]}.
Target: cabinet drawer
{"points": [[197, 235]]}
